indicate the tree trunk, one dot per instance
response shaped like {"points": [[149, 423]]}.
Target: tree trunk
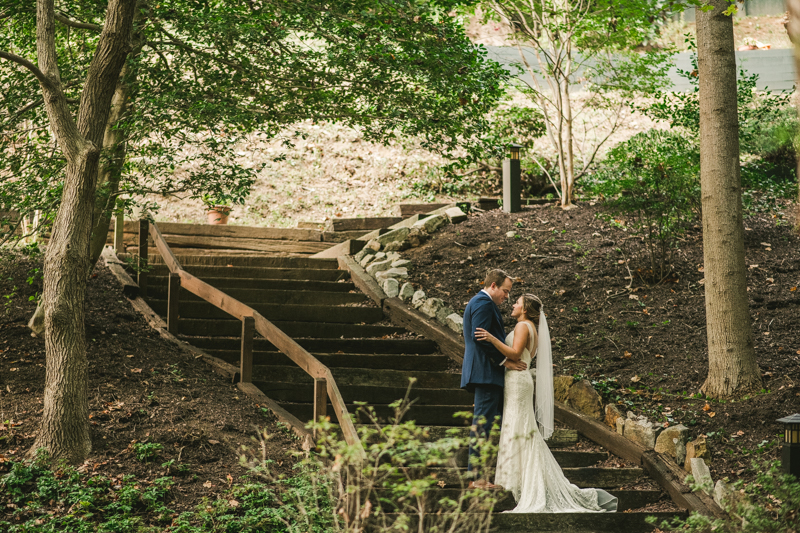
{"points": [[793, 29], [732, 368], [64, 430]]}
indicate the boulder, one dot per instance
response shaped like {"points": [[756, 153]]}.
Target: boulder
{"points": [[442, 314], [431, 223], [583, 398], [620, 425], [561, 385], [373, 245], [640, 432], [724, 494], [612, 414], [391, 287], [455, 215], [396, 235], [397, 246], [379, 266], [363, 253], [431, 307], [396, 273], [370, 258], [416, 237], [394, 256], [406, 291], [401, 263], [702, 475], [672, 441], [455, 322], [698, 448], [418, 299]]}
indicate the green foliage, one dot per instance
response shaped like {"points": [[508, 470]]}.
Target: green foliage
{"points": [[769, 504], [651, 181], [147, 451], [204, 77]]}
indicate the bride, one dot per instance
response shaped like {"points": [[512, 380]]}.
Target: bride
{"points": [[525, 465]]}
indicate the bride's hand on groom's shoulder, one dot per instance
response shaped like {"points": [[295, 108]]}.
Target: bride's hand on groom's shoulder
{"points": [[483, 335]]}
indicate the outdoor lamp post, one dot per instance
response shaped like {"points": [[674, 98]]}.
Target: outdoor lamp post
{"points": [[790, 457], [512, 183]]}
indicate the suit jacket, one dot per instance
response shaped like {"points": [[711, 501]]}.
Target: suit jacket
{"points": [[482, 361]]}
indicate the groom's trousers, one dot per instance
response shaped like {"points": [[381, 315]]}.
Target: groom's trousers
{"points": [[488, 410]]}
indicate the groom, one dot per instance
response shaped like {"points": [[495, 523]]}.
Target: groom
{"points": [[482, 371]]}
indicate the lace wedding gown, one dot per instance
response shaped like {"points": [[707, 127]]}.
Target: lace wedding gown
{"points": [[525, 465]]}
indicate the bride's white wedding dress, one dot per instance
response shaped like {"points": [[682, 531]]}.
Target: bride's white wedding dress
{"points": [[525, 465]]}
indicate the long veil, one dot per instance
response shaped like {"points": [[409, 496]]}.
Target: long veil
{"points": [[544, 379]]}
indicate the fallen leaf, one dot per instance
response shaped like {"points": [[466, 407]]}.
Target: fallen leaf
{"points": [[497, 227], [233, 503], [766, 333], [771, 280], [701, 282], [633, 297], [621, 262], [701, 269], [207, 484], [570, 357], [636, 379], [753, 266], [793, 289], [13, 369], [627, 355], [212, 441], [765, 244], [131, 355], [229, 478], [659, 356], [739, 433], [136, 370], [441, 483], [707, 407], [712, 414]]}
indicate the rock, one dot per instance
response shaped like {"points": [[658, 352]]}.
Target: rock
{"points": [[620, 425], [391, 287], [418, 299], [640, 433], [561, 385], [455, 215], [373, 245], [612, 414], [442, 314], [401, 263], [431, 307], [672, 441], [363, 253], [397, 246], [455, 322], [369, 258], [394, 256], [406, 291], [724, 495], [397, 273], [511, 234], [379, 266], [582, 397], [702, 475], [431, 223], [631, 415], [396, 235], [697, 448], [416, 237]]}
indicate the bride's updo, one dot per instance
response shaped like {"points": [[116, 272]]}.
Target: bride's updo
{"points": [[531, 306]]}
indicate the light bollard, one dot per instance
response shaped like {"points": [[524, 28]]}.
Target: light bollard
{"points": [[512, 181]]}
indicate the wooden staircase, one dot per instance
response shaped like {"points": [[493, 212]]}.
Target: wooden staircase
{"points": [[372, 361]]}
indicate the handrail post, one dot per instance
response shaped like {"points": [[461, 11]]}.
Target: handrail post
{"points": [[144, 230], [246, 360], [119, 236], [173, 302], [320, 400]]}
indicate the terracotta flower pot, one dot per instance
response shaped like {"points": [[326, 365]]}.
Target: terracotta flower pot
{"points": [[218, 214]]}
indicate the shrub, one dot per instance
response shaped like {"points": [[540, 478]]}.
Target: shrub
{"points": [[769, 504], [651, 182]]}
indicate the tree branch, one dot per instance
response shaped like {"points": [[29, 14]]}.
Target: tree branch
{"points": [[14, 58], [66, 21]]}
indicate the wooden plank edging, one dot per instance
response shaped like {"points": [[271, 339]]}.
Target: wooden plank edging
{"points": [[363, 281], [130, 289]]}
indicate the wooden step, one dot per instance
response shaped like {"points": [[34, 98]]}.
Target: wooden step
{"points": [[233, 328], [224, 284], [252, 297], [436, 362], [398, 379], [583, 477], [566, 458], [423, 414], [207, 272], [280, 312], [299, 392], [627, 499], [578, 522], [345, 346], [251, 261], [560, 438]]}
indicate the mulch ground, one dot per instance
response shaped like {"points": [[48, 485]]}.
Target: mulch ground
{"points": [[644, 347], [142, 389]]}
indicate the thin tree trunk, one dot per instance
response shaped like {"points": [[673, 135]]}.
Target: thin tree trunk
{"points": [[732, 368], [64, 430], [793, 29]]}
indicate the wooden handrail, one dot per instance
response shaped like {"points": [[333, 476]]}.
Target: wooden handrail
{"points": [[267, 329]]}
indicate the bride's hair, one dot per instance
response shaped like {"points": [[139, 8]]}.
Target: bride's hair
{"points": [[531, 306]]}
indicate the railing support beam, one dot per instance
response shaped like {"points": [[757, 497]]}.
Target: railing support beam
{"points": [[246, 360], [144, 231], [320, 400], [173, 302]]}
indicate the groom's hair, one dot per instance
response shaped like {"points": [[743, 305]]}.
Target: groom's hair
{"points": [[495, 276]]}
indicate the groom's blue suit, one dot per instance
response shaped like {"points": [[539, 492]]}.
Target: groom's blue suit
{"points": [[482, 371]]}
